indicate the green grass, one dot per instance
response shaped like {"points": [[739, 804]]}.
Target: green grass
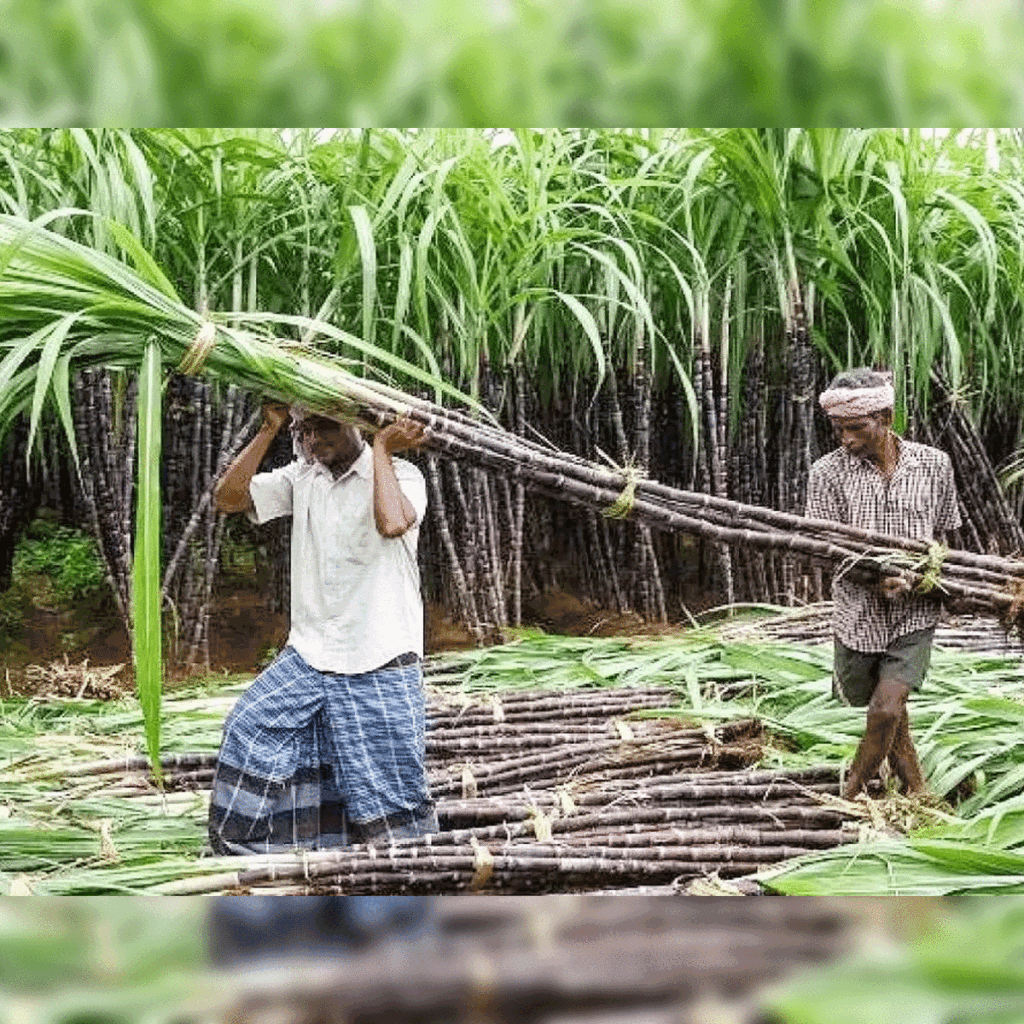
{"points": [[68, 557]]}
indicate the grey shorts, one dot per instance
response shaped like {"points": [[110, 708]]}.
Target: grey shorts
{"points": [[856, 674]]}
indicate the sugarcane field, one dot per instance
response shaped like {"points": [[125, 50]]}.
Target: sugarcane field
{"points": [[482, 512]]}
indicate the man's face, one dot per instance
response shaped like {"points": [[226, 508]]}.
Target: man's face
{"points": [[332, 444], [863, 436]]}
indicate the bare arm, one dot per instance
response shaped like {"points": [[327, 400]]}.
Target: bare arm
{"points": [[392, 510], [232, 493]]}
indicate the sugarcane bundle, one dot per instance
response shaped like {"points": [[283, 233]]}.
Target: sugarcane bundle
{"points": [[812, 624], [447, 867]]}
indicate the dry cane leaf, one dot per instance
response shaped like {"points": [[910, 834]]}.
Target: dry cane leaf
{"points": [[566, 802], [469, 787], [497, 709], [107, 847], [542, 824], [483, 862]]}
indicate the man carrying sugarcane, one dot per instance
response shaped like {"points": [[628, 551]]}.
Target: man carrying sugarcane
{"points": [[327, 747], [883, 635]]}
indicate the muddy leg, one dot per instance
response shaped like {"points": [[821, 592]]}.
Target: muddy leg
{"points": [[887, 708], [903, 759]]}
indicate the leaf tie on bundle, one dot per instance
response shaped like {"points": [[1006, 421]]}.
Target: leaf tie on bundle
{"points": [[931, 568], [194, 359], [622, 507]]}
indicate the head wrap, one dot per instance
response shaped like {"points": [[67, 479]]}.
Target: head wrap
{"points": [[850, 402]]}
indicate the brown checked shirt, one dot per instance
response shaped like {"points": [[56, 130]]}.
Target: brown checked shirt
{"points": [[917, 502]]}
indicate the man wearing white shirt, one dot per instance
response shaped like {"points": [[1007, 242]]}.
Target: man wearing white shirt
{"points": [[327, 747]]}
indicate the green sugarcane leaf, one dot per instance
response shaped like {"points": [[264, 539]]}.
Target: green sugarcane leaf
{"points": [[403, 292], [145, 265], [45, 370], [586, 320], [368, 257], [17, 355], [764, 662], [963, 858], [61, 386], [147, 639]]}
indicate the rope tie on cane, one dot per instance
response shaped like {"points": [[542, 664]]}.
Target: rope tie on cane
{"points": [[623, 505], [483, 864], [195, 357]]}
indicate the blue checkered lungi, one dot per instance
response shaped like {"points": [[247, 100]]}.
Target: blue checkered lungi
{"points": [[316, 760]]}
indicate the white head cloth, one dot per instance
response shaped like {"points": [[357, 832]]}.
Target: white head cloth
{"points": [[850, 402]]}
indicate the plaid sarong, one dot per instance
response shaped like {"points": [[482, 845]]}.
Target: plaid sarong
{"points": [[316, 760]]}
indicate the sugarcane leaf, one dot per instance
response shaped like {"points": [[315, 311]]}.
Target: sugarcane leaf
{"points": [[19, 352], [768, 663], [999, 708], [965, 858], [51, 349], [368, 257], [586, 320], [146, 599], [403, 293], [61, 386], [380, 356], [145, 265]]}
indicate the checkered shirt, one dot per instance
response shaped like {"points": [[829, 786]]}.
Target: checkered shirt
{"points": [[919, 502]]}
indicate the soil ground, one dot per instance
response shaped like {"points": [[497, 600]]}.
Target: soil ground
{"points": [[245, 635]]}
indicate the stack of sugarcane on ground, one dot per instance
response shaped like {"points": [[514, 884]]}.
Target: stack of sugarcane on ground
{"points": [[540, 792]]}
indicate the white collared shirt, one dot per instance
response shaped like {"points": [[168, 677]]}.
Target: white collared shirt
{"points": [[355, 595]]}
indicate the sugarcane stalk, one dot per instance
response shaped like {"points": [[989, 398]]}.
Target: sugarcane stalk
{"points": [[464, 595]]}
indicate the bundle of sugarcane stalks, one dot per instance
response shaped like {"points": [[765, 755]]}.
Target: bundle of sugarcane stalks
{"points": [[541, 792], [986, 583], [812, 624]]}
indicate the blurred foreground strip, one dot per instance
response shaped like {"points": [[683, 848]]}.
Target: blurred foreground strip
{"points": [[514, 960], [559, 960]]}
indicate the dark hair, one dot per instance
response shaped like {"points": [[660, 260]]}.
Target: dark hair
{"points": [[861, 377]]}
